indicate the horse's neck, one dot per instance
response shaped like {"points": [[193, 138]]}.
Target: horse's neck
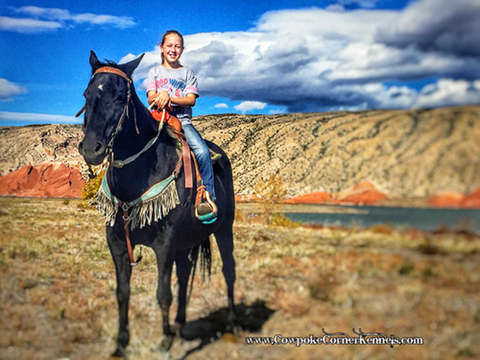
{"points": [[138, 128], [154, 165]]}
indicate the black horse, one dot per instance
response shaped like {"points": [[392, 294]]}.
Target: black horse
{"points": [[118, 125]]}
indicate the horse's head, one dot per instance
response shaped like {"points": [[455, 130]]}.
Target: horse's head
{"points": [[108, 98]]}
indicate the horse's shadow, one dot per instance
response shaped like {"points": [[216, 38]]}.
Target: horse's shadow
{"points": [[214, 326]]}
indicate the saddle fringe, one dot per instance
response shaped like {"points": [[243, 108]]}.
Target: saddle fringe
{"points": [[141, 214]]}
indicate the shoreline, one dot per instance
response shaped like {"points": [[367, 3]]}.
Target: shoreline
{"points": [[403, 203], [320, 207]]}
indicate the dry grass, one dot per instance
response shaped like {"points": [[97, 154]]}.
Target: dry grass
{"points": [[58, 281]]}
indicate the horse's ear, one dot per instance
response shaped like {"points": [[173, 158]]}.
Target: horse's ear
{"points": [[130, 67], [94, 62]]}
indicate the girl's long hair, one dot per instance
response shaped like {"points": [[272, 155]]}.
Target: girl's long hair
{"points": [[164, 37]]}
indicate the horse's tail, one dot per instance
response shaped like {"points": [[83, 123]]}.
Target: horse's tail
{"points": [[206, 258], [205, 262]]}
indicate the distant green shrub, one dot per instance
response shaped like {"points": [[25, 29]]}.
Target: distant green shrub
{"points": [[406, 269], [279, 219], [271, 193], [92, 185]]}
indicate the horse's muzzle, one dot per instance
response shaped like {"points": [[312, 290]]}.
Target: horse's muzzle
{"points": [[92, 151]]}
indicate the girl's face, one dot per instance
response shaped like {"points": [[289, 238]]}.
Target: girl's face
{"points": [[172, 49]]}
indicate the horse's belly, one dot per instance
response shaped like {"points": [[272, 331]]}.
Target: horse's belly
{"points": [[183, 236]]}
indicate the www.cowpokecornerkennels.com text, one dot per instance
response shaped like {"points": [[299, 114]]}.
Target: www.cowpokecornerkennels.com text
{"points": [[372, 338]]}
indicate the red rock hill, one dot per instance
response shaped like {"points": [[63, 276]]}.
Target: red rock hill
{"points": [[364, 193], [456, 200], [45, 180]]}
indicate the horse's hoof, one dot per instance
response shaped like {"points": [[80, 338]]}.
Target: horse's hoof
{"points": [[166, 343], [176, 327], [118, 354], [232, 317]]}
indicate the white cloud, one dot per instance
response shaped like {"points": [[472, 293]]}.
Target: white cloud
{"points": [[368, 4], [327, 61], [44, 19], [221, 106], [122, 22], [27, 25], [444, 92], [249, 106], [278, 111], [38, 118], [448, 92], [9, 89], [335, 8], [437, 25], [48, 13]]}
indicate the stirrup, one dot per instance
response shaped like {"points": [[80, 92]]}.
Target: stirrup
{"points": [[214, 156], [210, 216]]}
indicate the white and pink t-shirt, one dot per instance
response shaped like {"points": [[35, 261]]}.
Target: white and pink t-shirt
{"points": [[178, 83]]}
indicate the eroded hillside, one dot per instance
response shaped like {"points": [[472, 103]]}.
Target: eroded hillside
{"points": [[405, 153], [39, 144], [413, 153]]}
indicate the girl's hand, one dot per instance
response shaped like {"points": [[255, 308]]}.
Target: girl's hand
{"points": [[162, 100]]}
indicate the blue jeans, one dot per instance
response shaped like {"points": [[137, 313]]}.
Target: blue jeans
{"points": [[202, 153]]}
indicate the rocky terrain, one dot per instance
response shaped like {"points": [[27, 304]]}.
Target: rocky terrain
{"points": [[39, 144], [404, 153], [41, 160], [415, 154], [58, 290], [45, 180]]}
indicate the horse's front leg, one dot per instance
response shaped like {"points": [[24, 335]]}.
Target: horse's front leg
{"points": [[165, 257], [119, 252]]}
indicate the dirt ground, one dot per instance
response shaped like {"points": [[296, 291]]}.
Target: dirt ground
{"points": [[57, 284]]}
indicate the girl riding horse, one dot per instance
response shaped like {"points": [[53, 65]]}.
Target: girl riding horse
{"points": [[174, 84]]}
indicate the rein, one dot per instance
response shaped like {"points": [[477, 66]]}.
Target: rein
{"points": [[122, 163]]}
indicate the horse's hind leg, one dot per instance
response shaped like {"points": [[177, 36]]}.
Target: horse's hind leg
{"points": [[165, 259], [123, 270], [224, 237], [184, 267]]}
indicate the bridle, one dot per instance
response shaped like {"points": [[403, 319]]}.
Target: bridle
{"points": [[112, 70], [125, 114]]}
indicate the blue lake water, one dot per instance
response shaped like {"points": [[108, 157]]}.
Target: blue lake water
{"points": [[399, 217]]}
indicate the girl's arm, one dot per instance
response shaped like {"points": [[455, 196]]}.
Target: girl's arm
{"points": [[188, 100], [162, 99]]}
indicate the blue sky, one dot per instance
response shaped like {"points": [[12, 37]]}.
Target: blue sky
{"points": [[250, 57]]}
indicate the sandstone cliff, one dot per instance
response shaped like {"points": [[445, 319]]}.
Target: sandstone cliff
{"points": [[46, 180], [39, 144], [402, 153]]}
